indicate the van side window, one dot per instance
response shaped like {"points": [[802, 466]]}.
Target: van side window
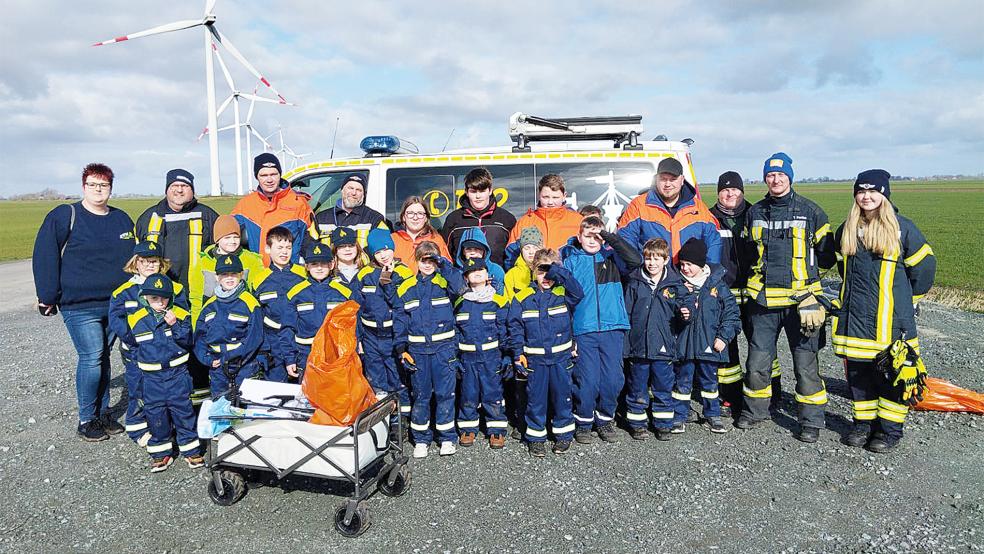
{"points": [[608, 185]]}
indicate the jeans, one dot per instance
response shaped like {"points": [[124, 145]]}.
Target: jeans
{"points": [[89, 329]]}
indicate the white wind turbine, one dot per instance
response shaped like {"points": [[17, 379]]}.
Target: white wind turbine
{"points": [[288, 158], [250, 132], [211, 34]]}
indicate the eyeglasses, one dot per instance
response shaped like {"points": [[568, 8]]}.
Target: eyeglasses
{"points": [[98, 186], [415, 214]]}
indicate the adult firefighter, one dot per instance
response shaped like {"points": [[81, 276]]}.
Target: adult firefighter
{"points": [[887, 266], [790, 245]]}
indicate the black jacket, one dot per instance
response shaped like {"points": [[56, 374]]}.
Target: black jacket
{"points": [[362, 219], [494, 221], [653, 317], [182, 234], [734, 247]]}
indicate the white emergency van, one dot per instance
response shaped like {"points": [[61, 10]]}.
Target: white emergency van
{"points": [[602, 159]]}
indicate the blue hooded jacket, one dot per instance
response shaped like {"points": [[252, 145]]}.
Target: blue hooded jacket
{"points": [[496, 273], [600, 276], [715, 316]]}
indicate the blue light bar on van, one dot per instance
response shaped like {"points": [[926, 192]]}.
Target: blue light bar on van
{"points": [[384, 145]]}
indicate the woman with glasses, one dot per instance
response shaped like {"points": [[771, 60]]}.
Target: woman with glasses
{"points": [[79, 255], [415, 228]]}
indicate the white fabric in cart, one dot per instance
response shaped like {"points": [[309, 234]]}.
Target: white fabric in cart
{"points": [[278, 439]]}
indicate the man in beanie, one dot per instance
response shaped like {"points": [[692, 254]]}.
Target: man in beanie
{"points": [[273, 204], [789, 245], [479, 208], [350, 211], [730, 212], [671, 210], [179, 224]]}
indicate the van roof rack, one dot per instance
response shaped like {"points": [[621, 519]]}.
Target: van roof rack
{"points": [[525, 128]]}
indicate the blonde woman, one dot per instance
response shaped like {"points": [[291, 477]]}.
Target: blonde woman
{"points": [[887, 267]]}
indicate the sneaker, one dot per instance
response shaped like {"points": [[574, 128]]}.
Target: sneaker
{"points": [[858, 436], [538, 450], [497, 441], [607, 432], [158, 465], [678, 428], [745, 422], [420, 450], [195, 462], [692, 416], [110, 425], [448, 448], [664, 434], [466, 439], [808, 434], [92, 431], [516, 434], [144, 440], [583, 436], [882, 444], [639, 433], [560, 447], [716, 425]]}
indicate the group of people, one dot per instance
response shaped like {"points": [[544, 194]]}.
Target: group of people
{"points": [[543, 323]]}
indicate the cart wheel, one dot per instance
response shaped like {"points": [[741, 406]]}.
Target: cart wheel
{"points": [[360, 521], [233, 488], [400, 486]]}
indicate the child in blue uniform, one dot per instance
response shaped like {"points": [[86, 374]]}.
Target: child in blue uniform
{"points": [[713, 321], [473, 245], [146, 261], [541, 339], [480, 317], [378, 282], [425, 341], [653, 297], [271, 286], [229, 331], [349, 259], [162, 335], [309, 303]]}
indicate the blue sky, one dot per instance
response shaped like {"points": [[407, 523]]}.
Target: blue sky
{"points": [[841, 86]]}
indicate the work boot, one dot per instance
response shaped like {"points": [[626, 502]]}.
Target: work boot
{"points": [[717, 426], [583, 436], [538, 450], [92, 431], [466, 439], [808, 434], [858, 436], [607, 432], [160, 464], [560, 447], [664, 434], [110, 425], [639, 433], [881, 443], [745, 422], [516, 434], [497, 442]]}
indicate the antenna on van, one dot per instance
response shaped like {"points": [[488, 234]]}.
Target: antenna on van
{"points": [[333, 135], [448, 141]]}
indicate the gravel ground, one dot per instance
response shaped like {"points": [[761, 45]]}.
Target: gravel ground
{"points": [[753, 491]]}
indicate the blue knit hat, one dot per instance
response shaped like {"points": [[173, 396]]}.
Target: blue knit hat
{"points": [[228, 264], [873, 179], [778, 162], [340, 236], [317, 252], [379, 239], [179, 176], [147, 249], [158, 285]]}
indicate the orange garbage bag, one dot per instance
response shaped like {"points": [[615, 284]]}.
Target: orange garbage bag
{"points": [[333, 381], [943, 396]]}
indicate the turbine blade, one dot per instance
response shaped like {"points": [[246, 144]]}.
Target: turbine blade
{"points": [[256, 98], [208, 6], [222, 65], [166, 28], [224, 105], [236, 54]]}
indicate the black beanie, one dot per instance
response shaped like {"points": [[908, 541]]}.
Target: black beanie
{"points": [[180, 176], [265, 159], [693, 251], [873, 179], [730, 180]]}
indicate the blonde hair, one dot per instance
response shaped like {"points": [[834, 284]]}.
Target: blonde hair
{"points": [[880, 233], [131, 265], [545, 256]]}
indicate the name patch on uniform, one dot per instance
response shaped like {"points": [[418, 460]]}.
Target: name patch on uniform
{"points": [[127, 235]]}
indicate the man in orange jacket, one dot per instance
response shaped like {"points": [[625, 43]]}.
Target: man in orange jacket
{"points": [[556, 221], [274, 203]]}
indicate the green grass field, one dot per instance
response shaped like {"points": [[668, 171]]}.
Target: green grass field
{"points": [[948, 212]]}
